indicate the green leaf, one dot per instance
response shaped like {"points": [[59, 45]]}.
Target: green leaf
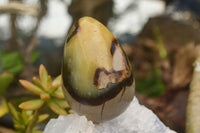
{"points": [[52, 89], [31, 87], [43, 76], [34, 56], [44, 96], [13, 112], [62, 103], [27, 116], [56, 108], [38, 83], [12, 62], [49, 80], [42, 117], [31, 105], [58, 93], [57, 81], [5, 79], [19, 127], [36, 130]]}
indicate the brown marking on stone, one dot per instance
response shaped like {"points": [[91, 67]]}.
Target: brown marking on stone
{"points": [[122, 94], [74, 30], [113, 46], [102, 77], [126, 60], [118, 76], [98, 73], [102, 111]]}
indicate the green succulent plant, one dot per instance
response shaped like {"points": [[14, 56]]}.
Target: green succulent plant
{"points": [[50, 94], [23, 119]]}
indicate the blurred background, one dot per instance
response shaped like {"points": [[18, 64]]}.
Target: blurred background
{"points": [[160, 38]]}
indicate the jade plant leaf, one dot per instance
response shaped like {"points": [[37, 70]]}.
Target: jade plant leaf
{"points": [[56, 108], [31, 105], [44, 96], [58, 93], [43, 75], [19, 127], [42, 118], [27, 116], [38, 83], [57, 81], [31, 87], [13, 112], [62, 103], [36, 130]]}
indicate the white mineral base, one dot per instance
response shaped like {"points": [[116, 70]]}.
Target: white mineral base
{"points": [[136, 119]]}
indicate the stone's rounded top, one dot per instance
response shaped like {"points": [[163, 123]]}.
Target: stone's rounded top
{"points": [[95, 67], [87, 19]]}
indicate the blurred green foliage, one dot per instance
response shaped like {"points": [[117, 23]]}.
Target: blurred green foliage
{"points": [[11, 62], [34, 56], [159, 41], [151, 85], [5, 79]]}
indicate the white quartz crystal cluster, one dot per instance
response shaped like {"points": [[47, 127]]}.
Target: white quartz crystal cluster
{"points": [[136, 119]]}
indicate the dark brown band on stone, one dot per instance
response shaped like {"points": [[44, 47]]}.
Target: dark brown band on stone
{"points": [[113, 46], [111, 91], [74, 32]]}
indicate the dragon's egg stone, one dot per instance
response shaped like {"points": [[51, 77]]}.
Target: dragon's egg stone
{"points": [[97, 76]]}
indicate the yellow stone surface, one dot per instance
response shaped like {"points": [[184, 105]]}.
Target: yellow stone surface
{"points": [[86, 51]]}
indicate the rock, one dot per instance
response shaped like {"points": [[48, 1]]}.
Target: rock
{"points": [[136, 119], [69, 124]]}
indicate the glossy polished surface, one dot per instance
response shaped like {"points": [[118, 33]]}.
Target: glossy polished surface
{"points": [[97, 76]]}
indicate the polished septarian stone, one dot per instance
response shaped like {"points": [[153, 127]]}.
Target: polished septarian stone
{"points": [[97, 76]]}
